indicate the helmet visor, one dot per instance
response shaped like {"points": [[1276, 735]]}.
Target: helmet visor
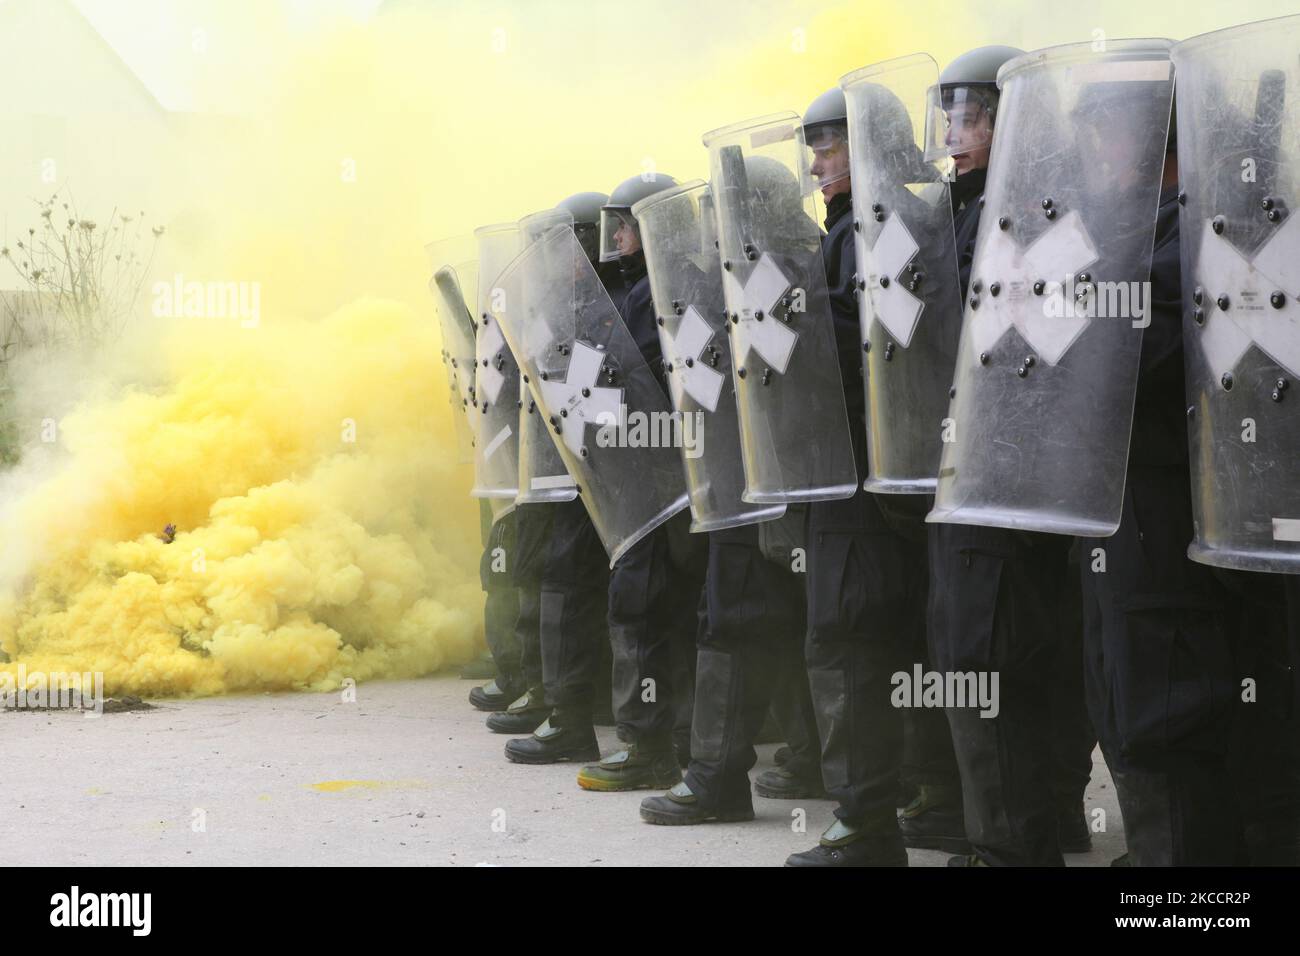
{"points": [[619, 235], [959, 119]]}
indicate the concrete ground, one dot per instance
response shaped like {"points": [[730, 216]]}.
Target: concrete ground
{"points": [[406, 774]]}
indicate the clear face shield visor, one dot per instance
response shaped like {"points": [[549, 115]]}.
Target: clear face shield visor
{"points": [[959, 120], [619, 234]]}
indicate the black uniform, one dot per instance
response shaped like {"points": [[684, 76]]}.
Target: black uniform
{"points": [[995, 604], [866, 592], [655, 588], [572, 599], [1157, 639], [501, 607]]}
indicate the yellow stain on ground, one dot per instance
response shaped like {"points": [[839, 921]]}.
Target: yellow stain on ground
{"points": [[339, 786]]}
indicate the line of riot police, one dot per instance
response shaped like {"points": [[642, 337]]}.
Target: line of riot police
{"points": [[927, 445]]}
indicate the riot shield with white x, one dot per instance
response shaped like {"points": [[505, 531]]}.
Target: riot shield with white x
{"points": [[578, 401], [889, 282], [690, 371], [756, 324], [489, 345], [1256, 296], [1025, 289]]}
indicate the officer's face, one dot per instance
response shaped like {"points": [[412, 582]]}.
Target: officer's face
{"points": [[627, 238], [970, 134], [830, 164]]}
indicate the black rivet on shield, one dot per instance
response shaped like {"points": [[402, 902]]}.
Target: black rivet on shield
{"points": [[726, 264], [559, 430], [1039, 286], [485, 361], [974, 302], [1217, 225], [880, 217], [1047, 202], [866, 346], [1277, 395], [977, 285], [884, 282], [767, 375], [1050, 213], [1198, 295], [485, 407], [735, 318], [1182, 197], [984, 358], [677, 306], [1226, 381], [952, 391], [876, 207], [583, 451], [1198, 316], [981, 202], [1281, 384], [740, 372], [1022, 371], [995, 288], [912, 284], [1267, 203], [564, 350], [586, 392], [519, 403], [1085, 277], [668, 366], [525, 379], [552, 420], [1273, 215], [690, 363], [1191, 411], [1004, 223], [758, 315], [532, 406], [1030, 361], [750, 252], [546, 376], [659, 320], [862, 284], [1277, 299], [564, 413], [857, 225], [1223, 302]]}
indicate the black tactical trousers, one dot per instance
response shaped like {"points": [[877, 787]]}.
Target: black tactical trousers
{"points": [[532, 537], [995, 598], [1073, 738], [571, 612], [866, 600], [501, 608], [1160, 678], [1265, 745], [751, 615], [654, 595]]}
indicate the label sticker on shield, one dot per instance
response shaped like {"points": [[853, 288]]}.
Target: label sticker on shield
{"points": [[1248, 286], [689, 374], [579, 400], [893, 304], [1050, 328], [497, 441], [759, 330], [489, 379]]}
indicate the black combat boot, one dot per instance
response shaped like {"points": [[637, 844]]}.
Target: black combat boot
{"points": [[872, 843], [522, 717], [495, 695], [934, 821], [680, 807], [558, 739], [645, 766]]}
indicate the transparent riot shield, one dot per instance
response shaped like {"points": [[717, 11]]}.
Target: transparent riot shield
{"points": [[454, 270], [542, 475], [794, 428], [909, 298], [1239, 166], [1046, 374], [678, 235], [615, 428], [496, 376]]}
